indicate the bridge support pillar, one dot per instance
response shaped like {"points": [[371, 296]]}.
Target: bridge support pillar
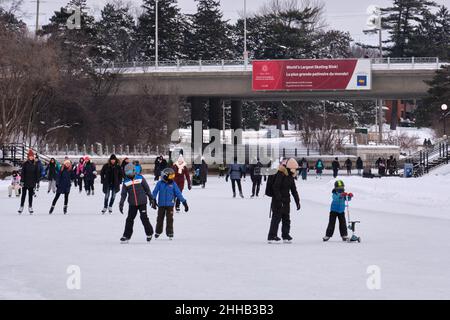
{"points": [[215, 113], [236, 114], [196, 125]]}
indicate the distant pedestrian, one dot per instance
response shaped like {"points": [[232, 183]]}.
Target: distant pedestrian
{"points": [[319, 168], [359, 165], [348, 165], [336, 166]]}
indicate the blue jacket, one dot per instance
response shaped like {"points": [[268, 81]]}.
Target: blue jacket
{"points": [[167, 193], [63, 181], [338, 203], [235, 171]]}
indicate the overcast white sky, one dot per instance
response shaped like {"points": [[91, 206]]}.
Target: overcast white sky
{"points": [[346, 15]]}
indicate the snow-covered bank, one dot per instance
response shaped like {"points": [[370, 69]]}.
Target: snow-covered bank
{"points": [[220, 252]]}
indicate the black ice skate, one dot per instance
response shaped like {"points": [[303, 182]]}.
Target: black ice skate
{"points": [[51, 209], [274, 240], [157, 236], [110, 210], [242, 196], [30, 210], [124, 240], [325, 239], [20, 210], [104, 210], [65, 209], [288, 239], [170, 236], [149, 238]]}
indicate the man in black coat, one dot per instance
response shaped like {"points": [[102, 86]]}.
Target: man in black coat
{"points": [[29, 177], [283, 186], [336, 166], [256, 177], [111, 179]]}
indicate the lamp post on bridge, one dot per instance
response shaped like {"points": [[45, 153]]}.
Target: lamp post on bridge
{"points": [[444, 108], [156, 33]]}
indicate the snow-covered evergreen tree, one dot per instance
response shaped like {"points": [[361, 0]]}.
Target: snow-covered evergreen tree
{"points": [[170, 31], [116, 33], [210, 36]]}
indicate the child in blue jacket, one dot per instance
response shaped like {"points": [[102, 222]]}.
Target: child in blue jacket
{"points": [[168, 191], [338, 211]]}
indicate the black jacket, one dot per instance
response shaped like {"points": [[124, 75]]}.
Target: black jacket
{"points": [[335, 164], [255, 172], [283, 185], [88, 171], [51, 171], [30, 174], [111, 176], [137, 190], [359, 164]]}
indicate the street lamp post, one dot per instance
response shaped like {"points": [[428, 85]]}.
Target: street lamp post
{"points": [[156, 34], [444, 108], [245, 35]]}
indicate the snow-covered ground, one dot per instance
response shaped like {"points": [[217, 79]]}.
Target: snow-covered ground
{"points": [[220, 249]]}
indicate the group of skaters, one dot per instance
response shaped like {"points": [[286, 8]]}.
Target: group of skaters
{"points": [[386, 167], [167, 196], [281, 186]]}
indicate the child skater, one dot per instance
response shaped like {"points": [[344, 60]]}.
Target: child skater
{"points": [[136, 188], [338, 211], [168, 192], [63, 184], [15, 184]]}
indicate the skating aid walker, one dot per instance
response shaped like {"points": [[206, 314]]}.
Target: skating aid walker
{"points": [[351, 224]]}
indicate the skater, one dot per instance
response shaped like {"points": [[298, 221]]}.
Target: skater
{"points": [[256, 177], [15, 184], [359, 165], [337, 211], [235, 172], [41, 172], [29, 177], [203, 173], [304, 167], [137, 166], [279, 187], [160, 165], [111, 179], [348, 165], [336, 166], [63, 184], [79, 175], [319, 168], [167, 190], [123, 165], [222, 170], [181, 175], [90, 174], [136, 188], [51, 172]]}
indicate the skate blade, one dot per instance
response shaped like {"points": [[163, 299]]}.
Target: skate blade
{"points": [[287, 241], [124, 242]]}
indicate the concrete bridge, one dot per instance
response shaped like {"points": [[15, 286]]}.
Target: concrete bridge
{"points": [[215, 81]]}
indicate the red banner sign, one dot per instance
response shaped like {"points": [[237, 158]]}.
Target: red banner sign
{"points": [[308, 75]]}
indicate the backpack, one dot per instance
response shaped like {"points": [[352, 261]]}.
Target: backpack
{"points": [[269, 185]]}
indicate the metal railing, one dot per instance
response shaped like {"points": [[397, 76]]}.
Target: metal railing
{"points": [[419, 63]]}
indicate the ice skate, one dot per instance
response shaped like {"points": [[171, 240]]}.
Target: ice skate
{"points": [[110, 210], [51, 209], [30, 210], [170, 236], [325, 239], [104, 210], [157, 236], [149, 238], [273, 240], [124, 240], [65, 209], [20, 210], [288, 239], [241, 195]]}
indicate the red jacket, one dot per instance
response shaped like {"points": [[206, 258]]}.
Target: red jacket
{"points": [[180, 177]]}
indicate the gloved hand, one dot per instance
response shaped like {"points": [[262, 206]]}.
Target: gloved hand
{"points": [[226, 179], [185, 205], [298, 206], [153, 203], [350, 195], [189, 187], [121, 208]]}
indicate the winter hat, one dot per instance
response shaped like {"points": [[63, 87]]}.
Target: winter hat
{"points": [[130, 170], [30, 153], [113, 157], [339, 185], [86, 158], [292, 164]]}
